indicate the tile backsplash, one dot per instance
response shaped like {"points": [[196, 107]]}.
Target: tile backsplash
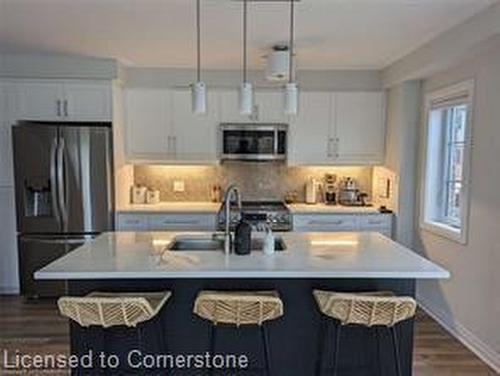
{"points": [[257, 181]]}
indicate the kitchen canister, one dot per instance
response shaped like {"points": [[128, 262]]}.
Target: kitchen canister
{"points": [[139, 194], [153, 196]]}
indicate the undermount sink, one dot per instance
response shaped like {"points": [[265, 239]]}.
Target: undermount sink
{"points": [[217, 244]]}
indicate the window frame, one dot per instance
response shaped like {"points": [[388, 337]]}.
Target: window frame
{"points": [[440, 228]]}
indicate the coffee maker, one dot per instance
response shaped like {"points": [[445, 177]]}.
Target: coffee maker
{"points": [[330, 189], [348, 192]]}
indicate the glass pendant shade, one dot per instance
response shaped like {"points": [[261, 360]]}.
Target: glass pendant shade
{"points": [[199, 98], [291, 98], [246, 98]]}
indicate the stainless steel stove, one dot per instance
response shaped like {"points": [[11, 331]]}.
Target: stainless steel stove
{"points": [[274, 213]]}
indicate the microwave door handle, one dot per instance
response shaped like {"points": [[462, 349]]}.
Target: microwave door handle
{"points": [[53, 180], [61, 182]]}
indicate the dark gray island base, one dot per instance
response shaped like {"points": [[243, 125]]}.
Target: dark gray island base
{"points": [[293, 338]]}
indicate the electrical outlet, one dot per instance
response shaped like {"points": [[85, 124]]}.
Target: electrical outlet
{"points": [[178, 186]]}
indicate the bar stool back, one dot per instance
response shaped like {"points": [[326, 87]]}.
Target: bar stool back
{"points": [[102, 309], [376, 309], [240, 308]]}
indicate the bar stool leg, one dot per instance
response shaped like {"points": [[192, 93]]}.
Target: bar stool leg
{"points": [[212, 346], [395, 344], [338, 332], [161, 332], [140, 336], [267, 355], [377, 344], [321, 345]]}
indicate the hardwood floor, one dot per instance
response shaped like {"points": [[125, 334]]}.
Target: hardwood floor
{"points": [[36, 327]]}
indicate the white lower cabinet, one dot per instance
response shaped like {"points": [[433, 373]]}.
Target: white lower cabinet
{"points": [[8, 246], [131, 222], [166, 222], [324, 222], [381, 223]]}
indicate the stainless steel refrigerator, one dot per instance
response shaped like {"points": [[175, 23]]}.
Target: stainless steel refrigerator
{"points": [[64, 193]]}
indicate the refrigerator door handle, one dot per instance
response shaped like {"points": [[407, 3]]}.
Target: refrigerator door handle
{"points": [[53, 180], [61, 183]]}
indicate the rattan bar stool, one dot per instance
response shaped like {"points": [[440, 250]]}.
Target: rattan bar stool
{"points": [[374, 310], [240, 308], [106, 310]]}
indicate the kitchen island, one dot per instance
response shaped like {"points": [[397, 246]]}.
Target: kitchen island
{"points": [[354, 262]]}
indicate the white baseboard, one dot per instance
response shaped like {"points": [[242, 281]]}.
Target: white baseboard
{"points": [[464, 335], [9, 290]]}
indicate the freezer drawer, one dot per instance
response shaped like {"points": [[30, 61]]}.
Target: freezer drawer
{"points": [[35, 252]]}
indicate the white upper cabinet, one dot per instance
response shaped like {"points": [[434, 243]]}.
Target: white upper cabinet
{"points": [[360, 127], [310, 131], [194, 137], [147, 124], [46, 100], [161, 128], [41, 101], [230, 108], [338, 128], [269, 107], [87, 101], [330, 128]]}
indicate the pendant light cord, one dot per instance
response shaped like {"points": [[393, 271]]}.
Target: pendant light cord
{"points": [[198, 42], [292, 29], [244, 40]]}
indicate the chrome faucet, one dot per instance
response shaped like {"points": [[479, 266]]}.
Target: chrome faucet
{"points": [[232, 193]]}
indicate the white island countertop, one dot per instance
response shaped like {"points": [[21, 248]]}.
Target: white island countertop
{"points": [[182, 207], [143, 255]]}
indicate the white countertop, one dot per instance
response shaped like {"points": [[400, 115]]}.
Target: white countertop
{"points": [[210, 207], [331, 209], [172, 207], [137, 255]]}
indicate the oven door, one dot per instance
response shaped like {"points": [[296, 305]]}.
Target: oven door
{"points": [[253, 142]]}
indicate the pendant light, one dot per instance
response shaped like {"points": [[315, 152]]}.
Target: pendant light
{"points": [[246, 89], [198, 89], [291, 88]]}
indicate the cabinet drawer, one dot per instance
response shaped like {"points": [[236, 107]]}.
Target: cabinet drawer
{"points": [[375, 221], [324, 222], [182, 222], [132, 222]]}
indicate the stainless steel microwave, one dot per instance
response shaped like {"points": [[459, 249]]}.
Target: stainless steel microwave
{"points": [[253, 141]]}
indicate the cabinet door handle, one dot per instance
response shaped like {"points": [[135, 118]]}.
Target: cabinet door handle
{"points": [[174, 142], [65, 105], [329, 152], [319, 222], [58, 107], [337, 147], [180, 222]]}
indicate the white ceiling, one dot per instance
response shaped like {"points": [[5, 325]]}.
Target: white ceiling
{"points": [[331, 34]]}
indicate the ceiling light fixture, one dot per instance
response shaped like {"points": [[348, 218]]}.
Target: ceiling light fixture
{"points": [[246, 89], [291, 88], [198, 89]]}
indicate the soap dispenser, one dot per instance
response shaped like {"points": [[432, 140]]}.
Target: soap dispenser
{"points": [[268, 242], [243, 238]]}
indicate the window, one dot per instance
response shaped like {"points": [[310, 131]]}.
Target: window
{"points": [[445, 184]]}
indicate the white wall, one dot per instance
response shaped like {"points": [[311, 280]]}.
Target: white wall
{"points": [[469, 303], [341, 80], [58, 66], [469, 38], [403, 109]]}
